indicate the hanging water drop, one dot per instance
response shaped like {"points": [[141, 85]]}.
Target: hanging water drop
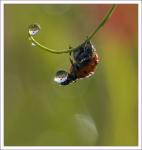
{"points": [[33, 44], [34, 29], [61, 76]]}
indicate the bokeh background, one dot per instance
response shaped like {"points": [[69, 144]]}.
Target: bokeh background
{"points": [[99, 111]]}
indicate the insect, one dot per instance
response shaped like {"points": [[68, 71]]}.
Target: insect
{"points": [[83, 64]]}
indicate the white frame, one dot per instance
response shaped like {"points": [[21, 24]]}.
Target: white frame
{"points": [[139, 75]]}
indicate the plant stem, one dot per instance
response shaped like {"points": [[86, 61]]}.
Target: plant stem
{"points": [[108, 15], [48, 49], [104, 20]]}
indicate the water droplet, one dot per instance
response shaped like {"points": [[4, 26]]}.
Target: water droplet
{"points": [[33, 44], [34, 29], [61, 76]]}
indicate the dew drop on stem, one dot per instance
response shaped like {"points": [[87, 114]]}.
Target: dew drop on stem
{"points": [[34, 29]]}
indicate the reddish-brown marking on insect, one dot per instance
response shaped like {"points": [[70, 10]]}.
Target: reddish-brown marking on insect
{"points": [[90, 68]]}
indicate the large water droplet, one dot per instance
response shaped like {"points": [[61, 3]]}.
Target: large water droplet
{"points": [[34, 29], [61, 76]]}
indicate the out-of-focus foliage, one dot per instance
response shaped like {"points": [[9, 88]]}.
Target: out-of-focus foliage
{"points": [[101, 110]]}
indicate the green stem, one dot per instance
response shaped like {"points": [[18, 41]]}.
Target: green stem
{"points": [[48, 49], [104, 20]]}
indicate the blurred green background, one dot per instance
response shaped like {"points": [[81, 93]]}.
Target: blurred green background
{"points": [[101, 110]]}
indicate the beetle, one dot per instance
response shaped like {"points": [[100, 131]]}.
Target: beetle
{"points": [[84, 63]]}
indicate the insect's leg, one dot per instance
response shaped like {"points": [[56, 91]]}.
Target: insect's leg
{"points": [[71, 61], [74, 71], [87, 38]]}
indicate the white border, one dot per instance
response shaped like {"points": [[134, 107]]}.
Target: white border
{"points": [[139, 76], [71, 2]]}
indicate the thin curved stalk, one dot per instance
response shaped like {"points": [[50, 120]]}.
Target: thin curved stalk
{"points": [[101, 24], [48, 49], [104, 20]]}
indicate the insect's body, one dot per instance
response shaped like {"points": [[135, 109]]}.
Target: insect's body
{"points": [[88, 69], [84, 63]]}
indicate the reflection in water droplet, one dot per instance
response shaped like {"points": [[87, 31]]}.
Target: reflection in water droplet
{"points": [[61, 76], [33, 44], [34, 29]]}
